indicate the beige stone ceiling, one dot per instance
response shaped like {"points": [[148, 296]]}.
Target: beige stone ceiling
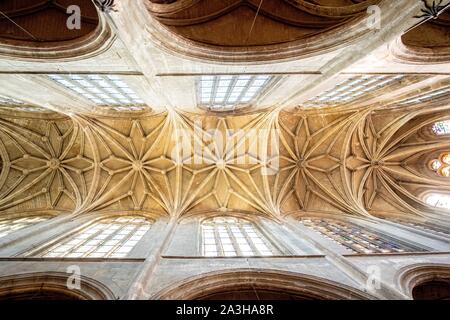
{"points": [[364, 157], [354, 162], [231, 23], [43, 21]]}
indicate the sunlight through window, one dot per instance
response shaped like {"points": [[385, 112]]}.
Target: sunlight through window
{"points": [[232, 237], [224, 93], [107, 238]]}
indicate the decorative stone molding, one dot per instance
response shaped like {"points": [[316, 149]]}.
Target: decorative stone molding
{"points": [[315, 28], [89, 45], [416, 45], [413, 275], [418, 55], [305, 286], [54, 283]]}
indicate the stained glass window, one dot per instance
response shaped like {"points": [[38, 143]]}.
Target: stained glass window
{"points": [[446, 158], [445, 172], [356, 238], [438, 200], [442, 165], [225, 92], [435, 165], [424, 226], [10, 225], [107, 238], [442, 128], [231, 237]]}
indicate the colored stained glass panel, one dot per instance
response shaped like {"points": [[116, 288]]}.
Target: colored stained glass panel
{"points": [[356, 238]]}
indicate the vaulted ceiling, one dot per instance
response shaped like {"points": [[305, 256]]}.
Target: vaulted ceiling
{"points": [[43, 22], [229, 30], [366, 154], [432, 34], [231, 23], [352, 162]]}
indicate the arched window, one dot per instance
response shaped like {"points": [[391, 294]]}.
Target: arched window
{"points": [[441, 128], [438, 200], [231, 237], [10, 225], [356, 238], [441, 230], [442, 165], [107, 238]]}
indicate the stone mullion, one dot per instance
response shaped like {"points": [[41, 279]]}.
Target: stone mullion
{"points": [[218, 240], [249, 241], [68, 239], [346, 266], [124, 240], [233, 240], [104, 240]]}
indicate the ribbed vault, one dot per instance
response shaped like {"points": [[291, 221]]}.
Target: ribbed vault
{"points": [[223, 30], [359, 162], [43, 22]]}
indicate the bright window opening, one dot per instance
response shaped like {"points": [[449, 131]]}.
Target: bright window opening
{"points": [[356, 238], [232, 237], [108, 238], [442, 165], [226, 92], [103, 90], [352, 89], [441, 128], [14, 104], [438, 200], [8, 226], [427, 97]]}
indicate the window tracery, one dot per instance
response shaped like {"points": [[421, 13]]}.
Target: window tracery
{"points": [[424, 226], [441, 128], [8, 226], [356, 238], [226, 92], [231, 237], [103, 90], [441, 165], [107, 238]]}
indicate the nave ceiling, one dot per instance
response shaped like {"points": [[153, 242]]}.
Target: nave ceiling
{"points": [[361, 162], [367, 156]]}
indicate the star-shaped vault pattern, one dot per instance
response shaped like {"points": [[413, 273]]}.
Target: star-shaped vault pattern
{"points": [[357, 162]]}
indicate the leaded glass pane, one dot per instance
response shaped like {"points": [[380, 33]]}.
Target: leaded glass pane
{"points": [[112, 237], [424, 226], [223, 93], [352, 89], [356, 238], [231, 237], [10, 225], [442, 128], [103, 90]]}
